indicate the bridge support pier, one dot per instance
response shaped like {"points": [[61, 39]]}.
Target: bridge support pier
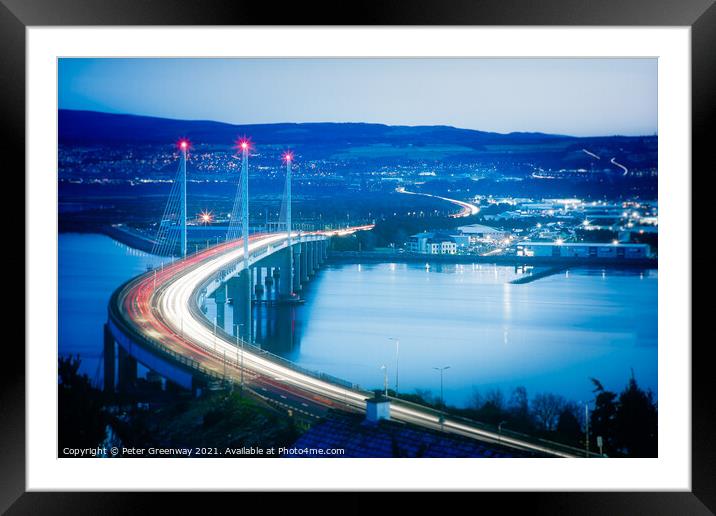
{"points": [[296, 276], [258, 286], [304, 262], [240, 291], [310, 251], [316, 255], [127, 371], [109, 359], [220, 300], [324, 250]]}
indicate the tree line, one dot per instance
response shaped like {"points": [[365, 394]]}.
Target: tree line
{"points": [[625, 422]]}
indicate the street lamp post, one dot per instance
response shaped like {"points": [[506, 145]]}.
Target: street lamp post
{"points": [[397, 358], [385, 379], [586, 427], [442, 397], [441, 370], [499, 430]]}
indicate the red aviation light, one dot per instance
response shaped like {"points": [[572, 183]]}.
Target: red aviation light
{"points": [[243, 144]]}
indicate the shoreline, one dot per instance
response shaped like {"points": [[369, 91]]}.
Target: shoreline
{"points": [[141, 243], [377, 257]]}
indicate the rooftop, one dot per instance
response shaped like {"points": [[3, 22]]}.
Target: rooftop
{"points": [[478, 228], [385, 438]]}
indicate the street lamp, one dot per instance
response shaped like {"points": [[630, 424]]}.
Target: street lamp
{"points": [[586, 426], [385, 379], [499, 430], [397, 357], [441, 370]]}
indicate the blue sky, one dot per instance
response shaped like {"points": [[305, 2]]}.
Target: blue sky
{"points": [[566, 96]]}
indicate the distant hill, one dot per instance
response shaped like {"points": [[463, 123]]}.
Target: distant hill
{"points": [[96, 127], [369, 143]]}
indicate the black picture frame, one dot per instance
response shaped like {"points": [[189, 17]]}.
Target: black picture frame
{"points": [[17, 15]]}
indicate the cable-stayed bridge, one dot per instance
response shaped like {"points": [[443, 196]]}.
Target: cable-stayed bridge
{"points": [[155, 319]]}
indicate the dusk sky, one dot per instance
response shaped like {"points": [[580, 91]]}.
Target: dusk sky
{"points": [[581, 97]]}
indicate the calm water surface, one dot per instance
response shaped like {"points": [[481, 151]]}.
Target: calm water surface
{"points": [[90, 268], [550, 335]]}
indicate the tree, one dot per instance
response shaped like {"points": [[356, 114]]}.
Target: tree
{"points": [[602, 419], [636, 422], [476, 399], [492, 411], [495, 398], [519, 409], [81, 420], [568, 425], [546, 408], [519, 403]]}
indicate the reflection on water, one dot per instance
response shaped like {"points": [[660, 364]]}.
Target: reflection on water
{"points": [[549, 335]]}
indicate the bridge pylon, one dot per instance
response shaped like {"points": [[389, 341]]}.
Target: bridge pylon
{"points": [[290, 281], [172, 226], [240, 210]]}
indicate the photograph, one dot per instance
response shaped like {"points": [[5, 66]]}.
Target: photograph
{"points": [[358, 257]]}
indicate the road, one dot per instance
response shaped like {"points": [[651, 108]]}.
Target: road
{"points": [[466, 209], [162, 305]]}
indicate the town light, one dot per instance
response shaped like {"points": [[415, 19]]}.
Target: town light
{"points": [[206, 217]]}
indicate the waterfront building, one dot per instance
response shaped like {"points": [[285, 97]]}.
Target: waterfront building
{"points": [[435, 243]]}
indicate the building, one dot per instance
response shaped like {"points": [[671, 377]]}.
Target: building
{"points": [[478, 233], [505, 215], [584, 250], [433, 243]]}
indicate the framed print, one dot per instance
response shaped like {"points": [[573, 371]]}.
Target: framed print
{"points": [[419, 252]]}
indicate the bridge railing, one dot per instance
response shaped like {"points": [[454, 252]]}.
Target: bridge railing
{"points": [[116, 319], [505, 432]]}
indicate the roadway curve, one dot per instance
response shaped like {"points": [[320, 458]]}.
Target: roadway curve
{"points": [[161, 307], [466, 209]]}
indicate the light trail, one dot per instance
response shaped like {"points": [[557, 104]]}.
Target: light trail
{"points": [[467, 208], [590, 154], [161, 304], [614, 162]]}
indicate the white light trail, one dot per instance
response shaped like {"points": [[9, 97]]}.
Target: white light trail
{"points": [[174, 309], [467, 208]]}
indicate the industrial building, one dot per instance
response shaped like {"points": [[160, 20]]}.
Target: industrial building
{"points": [[584, 250], [479, 233]]}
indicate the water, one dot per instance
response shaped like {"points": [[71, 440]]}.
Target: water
{"points": [[90, 268], [550, 335]]}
